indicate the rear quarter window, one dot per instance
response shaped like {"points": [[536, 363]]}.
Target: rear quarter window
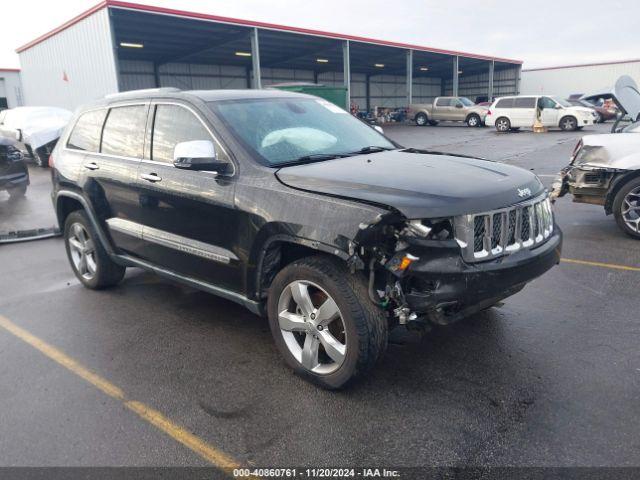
{"points": [[123, 133], [85, 135], [505, 103]]}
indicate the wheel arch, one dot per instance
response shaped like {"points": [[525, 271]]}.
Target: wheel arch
{"points": [[67, 202], [616, 186], [280, 250]]}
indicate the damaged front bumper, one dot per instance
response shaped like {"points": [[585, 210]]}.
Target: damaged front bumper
{"points": [[442, 287], [586, 183]]}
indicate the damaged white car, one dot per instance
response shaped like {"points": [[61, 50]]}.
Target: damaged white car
{"points": [[605, 170], [35, 128]]}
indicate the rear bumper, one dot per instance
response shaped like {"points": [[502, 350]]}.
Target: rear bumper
{"points": [[447, 283]]}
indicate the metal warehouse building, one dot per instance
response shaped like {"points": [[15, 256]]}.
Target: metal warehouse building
{"points": [[577, 79], [10, 88], [119, 46]]}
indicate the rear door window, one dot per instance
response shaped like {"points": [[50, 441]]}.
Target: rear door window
{"points": [[174, 124], [444, 102], [123, 134], [85, 135], [524, 102], [505, 103]]}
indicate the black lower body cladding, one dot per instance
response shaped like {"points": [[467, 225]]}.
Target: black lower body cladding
{"points": [[445, 285]]}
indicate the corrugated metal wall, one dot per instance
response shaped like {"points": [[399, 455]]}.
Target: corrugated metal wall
{"points": [[82, 54], [385, 90], [10, 88], [472, 86], [564, 82]]}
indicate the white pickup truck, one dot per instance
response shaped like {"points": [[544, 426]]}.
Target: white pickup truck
{"points": [[453, 109]]}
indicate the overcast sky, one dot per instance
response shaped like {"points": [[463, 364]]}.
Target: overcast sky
{"points": [[542, 33]]}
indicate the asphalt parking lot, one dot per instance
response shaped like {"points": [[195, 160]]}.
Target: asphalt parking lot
{"points": [[551, 378]]}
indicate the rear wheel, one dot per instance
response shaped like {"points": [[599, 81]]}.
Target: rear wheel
{"points": [[568, 123], [89, 261], [503, 124], [473, 120], [323, 322], [421, 119], [626, 208], [41, 157]]}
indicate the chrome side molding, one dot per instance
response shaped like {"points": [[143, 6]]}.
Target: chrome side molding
{"points": [[170, 240]]}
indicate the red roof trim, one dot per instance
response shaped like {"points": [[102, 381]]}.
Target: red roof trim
{"points": [[9, 70], [273, 26], [617, 62]]}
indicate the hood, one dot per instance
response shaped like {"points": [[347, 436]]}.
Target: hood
{"points": [[624, 93], [418, 184], [583, 110], [610, 150], [35, 126]]}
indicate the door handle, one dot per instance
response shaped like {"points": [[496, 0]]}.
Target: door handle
{"points": [[91, 166], [151, 177]]}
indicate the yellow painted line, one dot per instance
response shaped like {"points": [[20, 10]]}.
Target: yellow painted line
{"points": [[601, 264], [155, 418]]}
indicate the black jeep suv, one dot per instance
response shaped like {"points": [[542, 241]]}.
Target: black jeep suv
{"points": [[290, 206]]}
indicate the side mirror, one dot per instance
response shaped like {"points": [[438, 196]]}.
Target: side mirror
{"points": [[558, 106], [198, 155], [378, 129], [459, 105]]}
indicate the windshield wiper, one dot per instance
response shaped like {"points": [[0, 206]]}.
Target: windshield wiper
{"points": [[371, 149], [314, 157]]}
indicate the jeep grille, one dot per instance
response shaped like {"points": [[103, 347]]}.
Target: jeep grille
{"points": [[488, 235]]}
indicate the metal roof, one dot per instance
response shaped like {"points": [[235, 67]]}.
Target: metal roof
{"points": [[598, 64], [226, 27]]}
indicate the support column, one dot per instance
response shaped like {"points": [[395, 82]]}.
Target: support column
{"points": [[255, 59], [409, 77], [368, 92], [492, 66], [346, 71], [156, 74], [456, 64], [518, 75]]}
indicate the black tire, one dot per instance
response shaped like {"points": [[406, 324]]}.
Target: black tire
{"points": [[503, 124], [17, 192], [364, 323], [421, 119], [41, 157], [619, 206], [474, 120], [433, 123], [568, 123], [107, 272]]}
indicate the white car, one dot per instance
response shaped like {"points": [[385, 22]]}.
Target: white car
{"points": [[512, 113]]}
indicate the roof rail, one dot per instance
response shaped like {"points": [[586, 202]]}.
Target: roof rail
{"points": [[133, 93]]}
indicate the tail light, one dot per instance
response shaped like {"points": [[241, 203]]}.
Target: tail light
{"points": [[488, 112], [51, 161]]}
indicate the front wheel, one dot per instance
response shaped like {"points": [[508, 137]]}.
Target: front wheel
{"points": [[323, 322], [568, 124], [473, 120], [503, 124], [626, 208]]}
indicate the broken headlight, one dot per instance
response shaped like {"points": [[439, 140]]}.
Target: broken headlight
{"points": [[590, 154], [430, 229]]}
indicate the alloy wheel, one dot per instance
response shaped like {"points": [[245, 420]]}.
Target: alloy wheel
{"points": [[631, 209], [82, 251], [568, 124], [503, 125], [312, 327], [473, 121]]}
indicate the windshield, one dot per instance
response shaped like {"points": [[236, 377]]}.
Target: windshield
{"points": [[564, 103], [466, 102], [295, 130]]}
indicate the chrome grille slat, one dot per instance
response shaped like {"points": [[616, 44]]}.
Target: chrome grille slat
{"points": [[488, 235]]}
